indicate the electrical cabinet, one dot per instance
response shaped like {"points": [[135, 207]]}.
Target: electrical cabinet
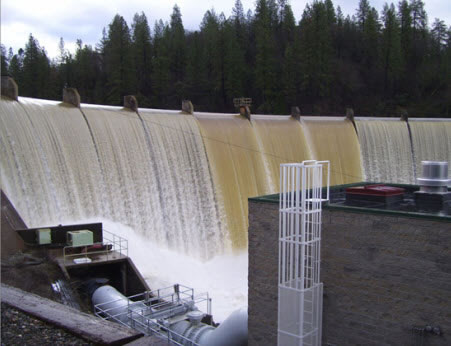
{"points": [[43, 236], [80, 238]]}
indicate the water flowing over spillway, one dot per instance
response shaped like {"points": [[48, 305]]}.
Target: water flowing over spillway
{"points": [[49, 165], [182, 174], [431, 141], [334, 139], [237, 166], [150, 173], [282, 140], [177, 184], [182, 181], [386, 150]]}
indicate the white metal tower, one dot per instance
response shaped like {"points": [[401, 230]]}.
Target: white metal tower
{"points": [[300, 289]]}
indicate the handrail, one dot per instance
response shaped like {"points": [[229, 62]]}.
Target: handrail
{"points": [[148, 312]]}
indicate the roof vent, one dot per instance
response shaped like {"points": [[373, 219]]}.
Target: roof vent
{"points": [[435, 177], [434, 195]]}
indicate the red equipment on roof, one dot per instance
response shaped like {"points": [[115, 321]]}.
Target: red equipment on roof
{"points": [[375, 190]]}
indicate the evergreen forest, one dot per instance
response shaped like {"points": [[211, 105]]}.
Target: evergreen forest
{"points": [[376, 63]]}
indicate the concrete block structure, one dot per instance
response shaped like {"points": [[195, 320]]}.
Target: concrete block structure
{"points": [[386, 275]]}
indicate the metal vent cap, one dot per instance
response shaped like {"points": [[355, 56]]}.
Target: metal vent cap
{"points": [[435, 175]]}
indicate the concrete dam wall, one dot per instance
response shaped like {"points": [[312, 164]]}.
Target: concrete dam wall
{"points": [[183, 180]]}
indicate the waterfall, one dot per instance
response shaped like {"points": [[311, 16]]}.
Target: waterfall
{"points": [[335, 139], [177, 184], [61, 163], [431, 141], [386, 150], [189, 207], [282, 140], [182, 181], [48, 166], [237, 167]]}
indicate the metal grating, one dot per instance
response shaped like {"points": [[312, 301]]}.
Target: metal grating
{"points": [[153, 312], [242, 101], [300, 289]]}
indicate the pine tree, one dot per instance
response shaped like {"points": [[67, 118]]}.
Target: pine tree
{"points": [[405, 21], [35, 69], [212, 57], [15, 68], [142, 56], [289, 44], [64, 67], [325, 63], [4, 61], [446, 111], [265, 58], [439, 34], [391, 50], [316, 52], [371, 34], [86, 72], [418, 48], [196, 79], [101, 89], [290, 76], [437, 69], [288, 27], [238, 53], [118, 62], [238, 19], [363, 12], [234, 63], [160, 66], [177, 57]]}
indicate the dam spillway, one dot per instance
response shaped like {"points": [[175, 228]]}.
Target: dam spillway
{"points": [[431, 141], [181, 180], [282, 140], [384, 142], [334, 139]]}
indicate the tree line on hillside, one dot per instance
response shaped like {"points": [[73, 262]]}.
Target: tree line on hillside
{"points": [[375, 63]]}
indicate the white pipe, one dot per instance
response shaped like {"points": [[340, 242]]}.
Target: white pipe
{"points": [[231, 332], [115, 304]]}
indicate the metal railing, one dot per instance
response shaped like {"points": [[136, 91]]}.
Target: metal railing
{"points": [[111, 246], [300, 290], [152, 312]]}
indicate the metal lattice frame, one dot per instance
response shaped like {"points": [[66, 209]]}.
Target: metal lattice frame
{"points": [[242, 101], [300, 289]]}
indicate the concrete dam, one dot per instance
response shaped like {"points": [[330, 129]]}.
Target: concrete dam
{"points": [[181, 180]]}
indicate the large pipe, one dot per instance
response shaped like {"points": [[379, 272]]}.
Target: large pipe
{"points": [[231, 332], [115, 304]]}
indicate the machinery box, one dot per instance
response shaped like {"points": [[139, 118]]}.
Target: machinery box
{"points": [[43, 236], [80, 238]]}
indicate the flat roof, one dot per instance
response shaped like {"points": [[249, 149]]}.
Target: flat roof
{"points": [[337, 203]]}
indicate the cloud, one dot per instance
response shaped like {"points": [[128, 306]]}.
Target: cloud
{"points": [[48, 20]]}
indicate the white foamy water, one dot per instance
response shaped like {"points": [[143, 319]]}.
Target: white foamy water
{"points": [[224, 277], [150, 173], [386, 150]]}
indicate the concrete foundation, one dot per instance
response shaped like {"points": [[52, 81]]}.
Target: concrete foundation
{"points": [[71, 96], [9, 88]]}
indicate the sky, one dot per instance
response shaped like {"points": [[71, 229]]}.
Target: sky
{"points": [[48, 20]]}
